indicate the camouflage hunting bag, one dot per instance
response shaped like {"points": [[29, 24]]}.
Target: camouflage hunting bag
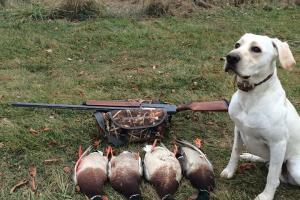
{"points": [[120, 127]]}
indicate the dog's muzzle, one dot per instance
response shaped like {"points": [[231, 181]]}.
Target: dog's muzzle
{"points": [[231, 62]]}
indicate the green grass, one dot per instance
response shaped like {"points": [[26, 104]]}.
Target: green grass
{"points": [[113, 58]]}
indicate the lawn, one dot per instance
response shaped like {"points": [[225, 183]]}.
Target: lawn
{"points": [[175, 59]]}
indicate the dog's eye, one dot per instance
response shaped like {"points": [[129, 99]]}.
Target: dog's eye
{"points": [[256, 49], [237, 45]]}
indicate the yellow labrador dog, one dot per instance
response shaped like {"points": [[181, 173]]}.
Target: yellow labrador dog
{"points": [[265, 120]]}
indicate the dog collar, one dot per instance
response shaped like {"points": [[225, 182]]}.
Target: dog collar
{"points": [[246, 86]]}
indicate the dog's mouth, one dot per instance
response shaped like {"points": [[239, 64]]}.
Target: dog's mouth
{"points": [[232, 69]]}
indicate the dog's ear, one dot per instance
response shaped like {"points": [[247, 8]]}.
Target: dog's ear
{"points": [[285, 55]]}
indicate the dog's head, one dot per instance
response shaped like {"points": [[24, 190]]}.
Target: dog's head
{"points": [[254, 56]]}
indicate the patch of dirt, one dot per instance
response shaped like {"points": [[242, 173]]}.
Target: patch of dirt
{"points": [[138, 7]]}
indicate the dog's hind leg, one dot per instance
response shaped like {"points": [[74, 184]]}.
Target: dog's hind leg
{"points": [[293, 172], [252, 158]]}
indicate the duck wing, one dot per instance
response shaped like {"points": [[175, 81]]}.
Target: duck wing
{"points": [[186, 143]]}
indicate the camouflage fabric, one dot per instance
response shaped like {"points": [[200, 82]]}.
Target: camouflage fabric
{"points": [[133, 125]]}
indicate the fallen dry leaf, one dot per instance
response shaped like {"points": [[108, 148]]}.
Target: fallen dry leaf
{"points": [[46, 129], [77, 188], [67, 170], [32, 171], [18, 185], [96, 143], [210, 123], [52, 143], [80, 151], [49, 50], [81, 73], [81, 93], [51, 161], [33, 132], [198, 142], [32, 174], [105, 198], [32, 184], [5, 121], [245, 166], [1, 145]]}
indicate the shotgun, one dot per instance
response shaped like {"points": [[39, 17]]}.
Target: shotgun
{"points": [[141, 120], [106, 106]]}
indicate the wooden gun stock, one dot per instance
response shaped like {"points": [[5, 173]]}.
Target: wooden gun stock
{"points": [[219, 106]]}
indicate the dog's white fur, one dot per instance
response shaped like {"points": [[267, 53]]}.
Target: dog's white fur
{"points": [[265, 120]]}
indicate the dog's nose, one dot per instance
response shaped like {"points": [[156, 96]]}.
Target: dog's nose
{"points": [[233, 58]]}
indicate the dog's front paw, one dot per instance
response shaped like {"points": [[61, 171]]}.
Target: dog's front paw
{"points": [[264, 196], [227, 173]]}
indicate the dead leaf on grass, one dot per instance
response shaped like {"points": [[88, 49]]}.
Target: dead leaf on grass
{"points": [[96, 143], [198, 142], [49, 50], [5, 121], [245, 166], [1, 145], [210, 123], [32, 174], [80, 151], [81, 73], [67, 170], [32, 171], [51, 161], [77, 188], [52, 143], [18, 185], [105, 198], [81, 93], [46, 129], [33, 132]]}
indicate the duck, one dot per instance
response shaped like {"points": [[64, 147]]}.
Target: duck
{"points": [[162, 170], [125, 172], [196, 168], [90, 173]]}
